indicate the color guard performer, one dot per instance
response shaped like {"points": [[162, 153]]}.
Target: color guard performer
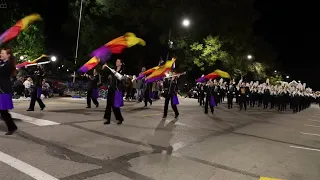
{"points": [[37, 89], [115, 96], [7, 69], [170, 86], [147, 94], [209, 101], [92, 92]]}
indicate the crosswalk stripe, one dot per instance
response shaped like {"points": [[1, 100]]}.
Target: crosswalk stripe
{"points": [[314, 120], [310, 134], [305, 148], [312, 125], [32, 120], [27, 169]]}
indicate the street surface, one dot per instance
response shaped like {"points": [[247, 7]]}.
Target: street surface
{"points": [[69, 142]]}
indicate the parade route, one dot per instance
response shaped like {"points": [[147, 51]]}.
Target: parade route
{"points": [[66, 141]]}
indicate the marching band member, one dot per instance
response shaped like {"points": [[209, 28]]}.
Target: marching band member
{"points": [[7, 69], [244, 93], [231, 91], [115, 96], [201, 94], [37, 89]]}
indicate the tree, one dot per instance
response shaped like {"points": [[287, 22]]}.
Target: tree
{"points": [[275, 79], [30, 43], [207, 53], [212, 50]]}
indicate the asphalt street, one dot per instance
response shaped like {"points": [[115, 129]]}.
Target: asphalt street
{"points": [[66, 141]]}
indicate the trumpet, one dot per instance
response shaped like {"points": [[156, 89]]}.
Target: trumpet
{"points": [[175, 75], [118, 75]]}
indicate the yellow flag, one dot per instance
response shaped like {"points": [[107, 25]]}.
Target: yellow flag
{"points": [[133, 40], [223, 74]]}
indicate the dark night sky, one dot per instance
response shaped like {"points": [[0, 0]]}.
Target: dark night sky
{"points": [[290, 28]]}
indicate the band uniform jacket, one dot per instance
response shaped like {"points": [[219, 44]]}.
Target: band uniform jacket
{"points": [[5, 75]]}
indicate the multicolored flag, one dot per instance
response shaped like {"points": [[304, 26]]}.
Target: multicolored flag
{"points": [[147, 72], [18, 27], [24, 64], [159, 73], [117, 46], [223, 74], [93, 62]]}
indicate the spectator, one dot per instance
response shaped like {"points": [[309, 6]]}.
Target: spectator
{"points": [[27, 85], [45, 88], [18, 87]]}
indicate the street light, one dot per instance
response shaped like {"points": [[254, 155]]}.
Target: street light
{"points": [[275, 71], [287, 77], [21, 57], [53, 58], [249, 56], [186, 22]]}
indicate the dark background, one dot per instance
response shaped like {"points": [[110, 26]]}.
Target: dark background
{"points": [[291, 28]]}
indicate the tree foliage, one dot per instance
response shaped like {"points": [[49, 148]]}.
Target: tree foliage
{"points": [[30, 43], [207, 53], [212, 49], [275, 79]]}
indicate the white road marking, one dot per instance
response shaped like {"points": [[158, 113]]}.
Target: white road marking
{"points": [[177, 123], [32, 120], [312, 125], [311, 149], [178, 146], [80, 99], [25, 168], [314, 116], [310, 134], [313, 120]]}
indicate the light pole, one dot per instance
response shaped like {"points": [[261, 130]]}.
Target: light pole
{"points": [[77, 45], [185, 23]]}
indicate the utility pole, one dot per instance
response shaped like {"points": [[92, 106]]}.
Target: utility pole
{"points": [[77, 46]]}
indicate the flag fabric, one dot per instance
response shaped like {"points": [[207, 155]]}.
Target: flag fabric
{"points": [[201, 80], [116, 46], [147, 72], [21, 65], [223, 74], [159, 73], [18, 27], [207, 77], [212, 75], [93, 62]]}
